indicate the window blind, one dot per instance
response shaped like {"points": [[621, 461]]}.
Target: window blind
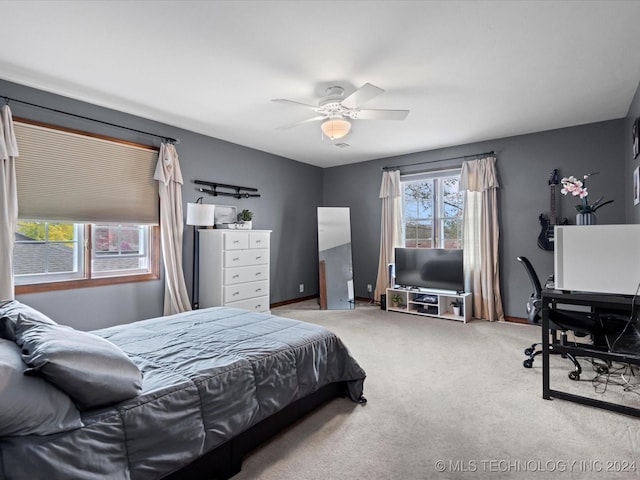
{"points": [[67, 176]]}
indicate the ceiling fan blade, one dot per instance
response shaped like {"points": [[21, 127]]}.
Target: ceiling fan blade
{"points": [[295, 124], [284, 100], [380, 114], [362, 95]]}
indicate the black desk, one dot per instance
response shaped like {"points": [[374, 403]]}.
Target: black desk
{"points": [[599, 304]]}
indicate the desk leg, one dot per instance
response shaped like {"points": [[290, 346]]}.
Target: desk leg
{"points": [[545, 352]]}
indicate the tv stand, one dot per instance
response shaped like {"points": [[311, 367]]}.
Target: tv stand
{"points": [[431, 303]]}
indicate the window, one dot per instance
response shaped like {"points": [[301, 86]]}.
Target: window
{"points": [[432, 210], [68, 255], [96, 208]]}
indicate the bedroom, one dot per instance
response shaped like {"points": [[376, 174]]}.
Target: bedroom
{"points": [[291, 190]]}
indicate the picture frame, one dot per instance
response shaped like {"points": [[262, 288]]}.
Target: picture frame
{"points": [[635, 136], [224, 215], [636, 186]]}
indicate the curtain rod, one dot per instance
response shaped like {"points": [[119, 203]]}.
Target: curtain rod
{"points": [[396, 167], [163, 137]]}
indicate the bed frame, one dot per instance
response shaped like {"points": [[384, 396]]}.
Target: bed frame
{"points": [[225, 461]]}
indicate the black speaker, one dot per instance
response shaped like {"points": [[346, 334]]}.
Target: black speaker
{"points": [[383, 302]]}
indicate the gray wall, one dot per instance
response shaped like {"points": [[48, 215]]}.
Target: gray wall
{"points": [[633, 211], [524, 165], [290, 193]]}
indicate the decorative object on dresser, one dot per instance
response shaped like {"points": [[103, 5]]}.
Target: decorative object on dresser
{"points": [[244, 219], [198, 215], [546, 239], [234, 269]]}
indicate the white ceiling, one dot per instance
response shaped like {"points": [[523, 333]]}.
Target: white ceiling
{"points": [[468, 71]]}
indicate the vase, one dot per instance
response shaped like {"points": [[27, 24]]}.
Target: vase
{"points": [[588, 218]]}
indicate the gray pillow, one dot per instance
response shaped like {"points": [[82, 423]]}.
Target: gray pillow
{"points": [[31, 405], [91, 370], [9, 312]]}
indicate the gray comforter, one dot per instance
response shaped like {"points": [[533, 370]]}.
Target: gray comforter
{"points": [[208, 376]]}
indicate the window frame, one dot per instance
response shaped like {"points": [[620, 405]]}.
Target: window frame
{"points": [[89, 281], [437, 220]]}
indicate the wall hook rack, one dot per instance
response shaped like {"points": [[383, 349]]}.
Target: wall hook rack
{"points": [[239, 192]]}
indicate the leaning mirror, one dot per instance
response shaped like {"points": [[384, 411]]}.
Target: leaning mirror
{"points": [[334, 255]]}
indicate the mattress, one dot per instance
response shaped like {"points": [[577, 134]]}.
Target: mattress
{"points": [[208, 375]]}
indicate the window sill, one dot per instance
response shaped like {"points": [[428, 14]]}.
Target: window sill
{"points": [[83, 283]]}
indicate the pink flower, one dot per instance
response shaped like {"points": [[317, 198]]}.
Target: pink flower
{"points": [[577, 188], [573, 186]]}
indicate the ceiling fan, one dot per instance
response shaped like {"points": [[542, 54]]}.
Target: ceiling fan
{"points": [[336, 110]]}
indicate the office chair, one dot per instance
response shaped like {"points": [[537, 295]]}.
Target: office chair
{"points": [[534, 308]]}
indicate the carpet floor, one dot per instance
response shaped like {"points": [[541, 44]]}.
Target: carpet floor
{"points": [[448, 400]]}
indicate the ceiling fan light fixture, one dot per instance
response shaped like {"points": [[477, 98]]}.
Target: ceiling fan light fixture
{"points": [[335, 128]]}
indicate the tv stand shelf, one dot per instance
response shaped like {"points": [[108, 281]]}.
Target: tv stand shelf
{"points": [[432, 303]]}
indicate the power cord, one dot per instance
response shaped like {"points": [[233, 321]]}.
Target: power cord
{"points": [[631, 318], [608, 375]]}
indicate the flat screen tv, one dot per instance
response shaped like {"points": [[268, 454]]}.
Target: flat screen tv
{"points": [[432, 268]]}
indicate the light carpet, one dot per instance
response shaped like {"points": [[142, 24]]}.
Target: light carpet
{"points": [[447, 400]]}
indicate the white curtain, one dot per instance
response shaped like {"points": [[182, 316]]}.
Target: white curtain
{"points": [[8, 202], [390, 227], [479, 180], [176, 298]]}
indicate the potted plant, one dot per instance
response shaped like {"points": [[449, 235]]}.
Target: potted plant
{"points": [[397, 300], [578, 188], [244, 219], [457, 307]]}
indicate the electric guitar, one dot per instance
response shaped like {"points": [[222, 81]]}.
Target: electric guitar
{"points": [[546, 237]]}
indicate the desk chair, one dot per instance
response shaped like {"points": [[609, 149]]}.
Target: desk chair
{"points": [[534, 307], [598, 325]]}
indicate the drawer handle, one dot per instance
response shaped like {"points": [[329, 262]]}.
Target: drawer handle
{"points": [[235, 293], [258, 290], [258, 241], [235, 259], [236, 276], [258, 306], [258, 257], [236, 241], [258, 274]]}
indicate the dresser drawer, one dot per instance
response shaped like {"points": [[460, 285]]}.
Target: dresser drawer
{"points": [[258, 239], [231, 276], [235, 241], [258, 304], [243, 258], [233, 293]]}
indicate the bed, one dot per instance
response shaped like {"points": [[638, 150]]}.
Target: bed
{"points": [[182, 396]]}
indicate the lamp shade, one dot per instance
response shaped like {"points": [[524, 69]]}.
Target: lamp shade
{"points": [[200, 214], [335, 128]]}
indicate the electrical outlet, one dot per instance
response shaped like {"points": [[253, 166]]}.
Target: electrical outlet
{"points": [[369, 288], [301, 287]]}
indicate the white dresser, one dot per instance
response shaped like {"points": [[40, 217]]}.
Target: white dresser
{"points": [[234, 269]]}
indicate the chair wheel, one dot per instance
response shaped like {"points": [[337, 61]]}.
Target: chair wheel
{"points": [[574, 376], [527, 363], [602, 370], [528, 351]]}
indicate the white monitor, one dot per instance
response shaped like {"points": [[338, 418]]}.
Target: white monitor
{"points": [[597, 258]]}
